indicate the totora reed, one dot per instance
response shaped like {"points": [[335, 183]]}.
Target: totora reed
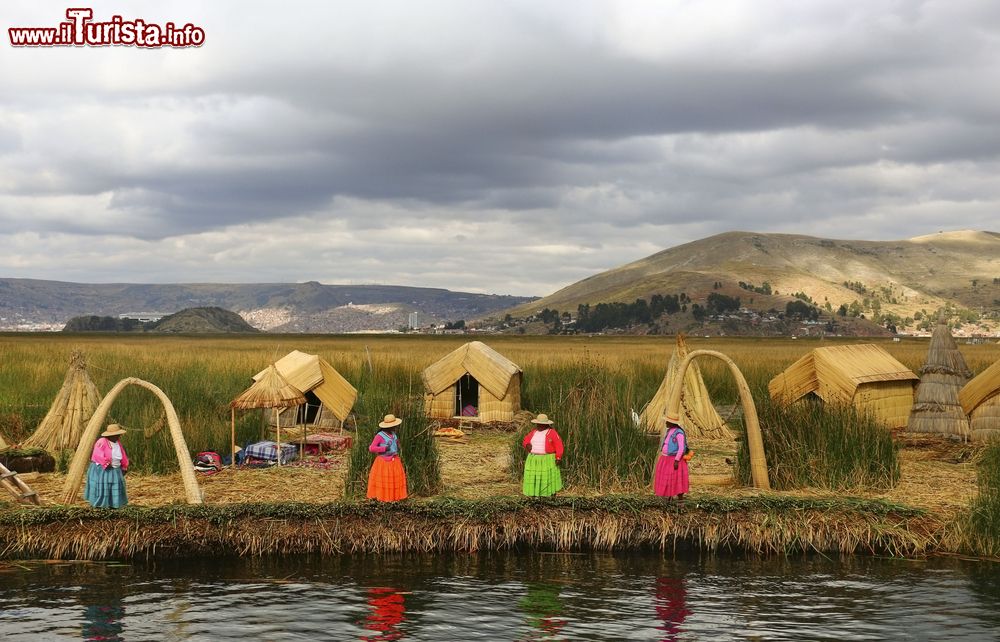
{"points": [[764, 524]]}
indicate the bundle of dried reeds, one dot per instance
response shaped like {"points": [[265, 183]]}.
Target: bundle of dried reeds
{"points": [[72, 408], [936, 407], [699, 417]]}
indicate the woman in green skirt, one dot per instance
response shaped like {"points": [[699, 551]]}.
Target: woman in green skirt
{"points": [[541, 472]]}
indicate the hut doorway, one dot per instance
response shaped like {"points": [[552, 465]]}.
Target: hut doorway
{"points": [[309, 411], [467, 396]]}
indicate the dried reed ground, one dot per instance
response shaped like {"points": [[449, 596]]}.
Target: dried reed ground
{"points": [[937, 475]]}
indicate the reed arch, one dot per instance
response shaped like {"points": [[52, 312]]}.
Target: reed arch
{"points": [[83, 451], [758, 462]]}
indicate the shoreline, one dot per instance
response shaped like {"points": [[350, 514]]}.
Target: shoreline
{"points": [[763, 524]]}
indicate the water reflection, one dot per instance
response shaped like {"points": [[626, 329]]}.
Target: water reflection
{"points": [[671, 606], [387, 612], [544, 609], [103, 622], [504, 596]]}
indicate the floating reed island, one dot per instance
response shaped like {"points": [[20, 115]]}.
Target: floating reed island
{"points": [[839, 476], [248, 513]]}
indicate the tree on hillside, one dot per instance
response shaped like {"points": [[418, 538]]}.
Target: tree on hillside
{"points": [[721, 303], [801, 310]]}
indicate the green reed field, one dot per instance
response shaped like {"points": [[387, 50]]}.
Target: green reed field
{"points": [[588, 385]]}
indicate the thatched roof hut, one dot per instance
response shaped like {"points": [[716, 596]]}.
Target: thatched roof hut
{"points": [[980, 399], [473, 381], [698, 415], [269, 390], [329, 396], [936, 408], [863, 375], [70, 411]]}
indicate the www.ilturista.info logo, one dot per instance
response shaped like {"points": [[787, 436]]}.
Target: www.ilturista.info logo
{"points": [[80, 31]]}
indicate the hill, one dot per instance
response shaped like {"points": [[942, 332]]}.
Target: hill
{"points": [[274, 307], [208, 320], [900, 282], [203, 320]]}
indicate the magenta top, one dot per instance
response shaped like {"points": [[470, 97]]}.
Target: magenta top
{"points": [[673, 445], [386, 445]]}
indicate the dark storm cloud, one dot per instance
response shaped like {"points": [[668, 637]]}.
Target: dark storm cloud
{"points": [[568, 135]]}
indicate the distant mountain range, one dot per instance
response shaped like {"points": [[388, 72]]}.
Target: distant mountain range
{"points": [[271, 307], [913, 277], [889, 282]]}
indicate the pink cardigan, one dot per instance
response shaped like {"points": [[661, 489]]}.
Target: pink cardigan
{"points": [[102, 454]]}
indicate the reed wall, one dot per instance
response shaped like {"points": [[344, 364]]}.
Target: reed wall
{"points": [[985, 420], [888, 401]]}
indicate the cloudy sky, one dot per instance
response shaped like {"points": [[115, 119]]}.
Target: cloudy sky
{"points": [[510, 147]]}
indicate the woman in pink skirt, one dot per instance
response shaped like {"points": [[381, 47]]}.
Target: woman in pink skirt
{"points": [[671, 468]]}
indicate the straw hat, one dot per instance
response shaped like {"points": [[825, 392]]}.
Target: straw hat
{"points": [[673, 419], [542, 419], [112, 430], [390, 421]]}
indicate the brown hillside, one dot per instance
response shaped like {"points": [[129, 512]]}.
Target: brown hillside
{"points": [[919, 273]]}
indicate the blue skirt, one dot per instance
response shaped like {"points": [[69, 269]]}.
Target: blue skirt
{"points": [[105, 487]]}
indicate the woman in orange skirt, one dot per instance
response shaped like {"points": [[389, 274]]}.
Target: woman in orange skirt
{"points": [[387, 479]]}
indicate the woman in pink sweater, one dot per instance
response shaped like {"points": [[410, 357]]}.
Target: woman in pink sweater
{"points": [[106, 475]]}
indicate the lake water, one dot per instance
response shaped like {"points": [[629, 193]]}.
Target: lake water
{"points": [[642, 596]]}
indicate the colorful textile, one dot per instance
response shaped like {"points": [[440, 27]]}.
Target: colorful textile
{"points": [[669, 482], [105, 487], [101, 454], [675, 444], [553, 444], [541, 476], [208, 462], [268, 451], [387, 479], [385, 444]]}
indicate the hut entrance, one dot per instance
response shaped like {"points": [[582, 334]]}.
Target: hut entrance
{"points": [[309, 411], [467, 396]]}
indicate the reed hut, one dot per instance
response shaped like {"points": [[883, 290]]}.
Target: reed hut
{"points": [[936, 408], [72, 408], [473, 382], [865, 376], [980, 399], [698, 415], [329, 396]]}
